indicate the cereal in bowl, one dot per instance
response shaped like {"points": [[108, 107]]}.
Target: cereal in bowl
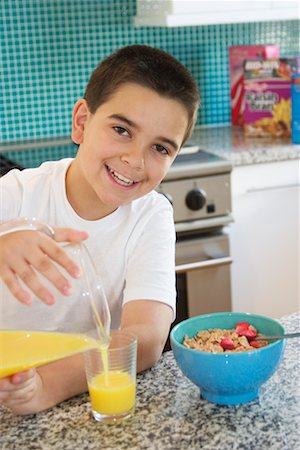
{"points": [[216, 340]]}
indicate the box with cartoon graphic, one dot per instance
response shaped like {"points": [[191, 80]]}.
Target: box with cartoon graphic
{"points": [[237, 55], [267, 85]]}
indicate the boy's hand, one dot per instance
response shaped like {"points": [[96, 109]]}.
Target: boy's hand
{"points": [[21, 391], [23, 251]]}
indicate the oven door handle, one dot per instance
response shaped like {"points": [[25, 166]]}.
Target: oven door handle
{"points": [[203, 264]]}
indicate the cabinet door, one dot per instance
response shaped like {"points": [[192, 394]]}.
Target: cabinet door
{"points": [[265, 238]]}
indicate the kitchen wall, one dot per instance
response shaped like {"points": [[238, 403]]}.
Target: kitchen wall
{"points": [[50, 47]]}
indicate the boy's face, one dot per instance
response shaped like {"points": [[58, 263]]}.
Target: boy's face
{"points": [[126, 148]]}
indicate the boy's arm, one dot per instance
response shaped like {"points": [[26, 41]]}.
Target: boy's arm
{"points": [[62, 380], [150, 321]]}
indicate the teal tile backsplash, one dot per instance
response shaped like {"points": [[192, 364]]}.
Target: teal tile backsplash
{"points": [[50, 47]]}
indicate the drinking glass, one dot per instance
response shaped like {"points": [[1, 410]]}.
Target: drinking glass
{"points": [[111, 377]]}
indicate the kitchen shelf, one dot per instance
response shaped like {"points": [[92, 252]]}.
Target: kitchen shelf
{"points": [[176, 13]]}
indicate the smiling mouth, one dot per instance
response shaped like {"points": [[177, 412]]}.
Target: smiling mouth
{"points": [[120, 179]]}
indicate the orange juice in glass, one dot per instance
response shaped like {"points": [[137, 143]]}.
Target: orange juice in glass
{"points": [[111, 376]]}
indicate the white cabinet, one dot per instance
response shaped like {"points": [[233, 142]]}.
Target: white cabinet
{"points": [[265, 238], [174, 13]]}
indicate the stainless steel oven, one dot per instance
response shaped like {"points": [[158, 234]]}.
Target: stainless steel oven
{"points": [[198, 186], [203, 274]]}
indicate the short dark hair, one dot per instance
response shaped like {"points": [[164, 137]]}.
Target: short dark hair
{"points": [[149, 67]]}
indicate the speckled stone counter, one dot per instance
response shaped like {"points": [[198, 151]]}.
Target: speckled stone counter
{"points": [[231, 144], [171, 415], [227, 142]]}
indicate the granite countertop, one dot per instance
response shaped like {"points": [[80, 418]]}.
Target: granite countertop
{"points": [[231, 143], [170, 415], [225, 141]]}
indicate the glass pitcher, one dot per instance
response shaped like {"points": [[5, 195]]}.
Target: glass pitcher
{"points": [[32, 335]]}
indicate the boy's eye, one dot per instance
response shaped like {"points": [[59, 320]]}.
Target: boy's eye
{"points": [[120, 130], [161, 149]]}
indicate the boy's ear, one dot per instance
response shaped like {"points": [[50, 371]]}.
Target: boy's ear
{"points": [[79, 118]]}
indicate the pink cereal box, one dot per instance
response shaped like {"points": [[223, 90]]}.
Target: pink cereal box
{"points": [[267, 85], [237, 55]]}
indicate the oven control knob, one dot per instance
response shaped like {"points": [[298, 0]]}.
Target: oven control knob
{"points": [[195, 199]]}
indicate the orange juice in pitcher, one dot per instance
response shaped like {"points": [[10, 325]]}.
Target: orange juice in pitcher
{"points": [[22, 350]]}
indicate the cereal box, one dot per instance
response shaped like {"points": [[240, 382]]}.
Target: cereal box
{"points": [[267, 98], [237, 55], [295, 97]]}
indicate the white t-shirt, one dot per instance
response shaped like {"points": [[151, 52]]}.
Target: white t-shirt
{"points": [[133, 248]]}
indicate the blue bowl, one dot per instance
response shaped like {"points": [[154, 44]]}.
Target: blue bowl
{"points": [[227, 378]]}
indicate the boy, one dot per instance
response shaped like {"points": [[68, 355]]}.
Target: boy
{"points": [[138, 109]]}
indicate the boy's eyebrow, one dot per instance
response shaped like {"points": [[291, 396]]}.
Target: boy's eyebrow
{"points": [[134, 125]]}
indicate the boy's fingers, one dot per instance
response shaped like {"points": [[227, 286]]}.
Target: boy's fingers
{"points": [[9, 383], [12, 282], [56, 253], [17, 388], [40, 291], [26, 265], [43, 262], [21, 377], [69, 235], [32, 281]]}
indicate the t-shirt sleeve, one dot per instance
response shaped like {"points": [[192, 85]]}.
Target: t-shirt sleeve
{"points": [[10, 195], [150, 273]]}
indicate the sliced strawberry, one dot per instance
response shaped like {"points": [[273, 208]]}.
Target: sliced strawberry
{"points": [[255, 344], [250, 334], [241, 326], [227, 344]]}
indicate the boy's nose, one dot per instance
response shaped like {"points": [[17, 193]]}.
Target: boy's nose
{"points": [[134, 157]]}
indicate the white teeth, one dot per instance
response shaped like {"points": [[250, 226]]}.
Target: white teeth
{"points": [[120, 178]]}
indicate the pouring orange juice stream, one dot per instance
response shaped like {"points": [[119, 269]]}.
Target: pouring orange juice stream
{"points": [[23, 349], [111, 392]]}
